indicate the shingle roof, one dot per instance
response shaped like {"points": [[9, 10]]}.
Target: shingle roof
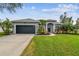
{"points": [[25, 20]]}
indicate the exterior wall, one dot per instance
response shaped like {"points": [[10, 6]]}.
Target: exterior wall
{"points": [[36, 26]]}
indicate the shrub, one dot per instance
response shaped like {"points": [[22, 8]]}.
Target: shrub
{"points": [[6, 26]]}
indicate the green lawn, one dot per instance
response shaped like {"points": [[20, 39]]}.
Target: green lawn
{"points": [[2, 34], [59, 45]]}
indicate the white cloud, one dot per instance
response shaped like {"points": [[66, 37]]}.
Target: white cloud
{"points": [[33, 7], [62, 8], [68, 6], [73, 14]]}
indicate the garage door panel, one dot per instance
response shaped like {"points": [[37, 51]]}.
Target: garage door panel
{"points": [[27, 29]]}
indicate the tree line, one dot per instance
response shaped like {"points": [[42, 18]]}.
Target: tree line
{"points": [[67, 25]]}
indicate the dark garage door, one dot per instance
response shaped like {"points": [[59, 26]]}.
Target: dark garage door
{"points": [[25, 29]]}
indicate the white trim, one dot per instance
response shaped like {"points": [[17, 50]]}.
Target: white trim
{"points": [[53, 30], [53, 27]]}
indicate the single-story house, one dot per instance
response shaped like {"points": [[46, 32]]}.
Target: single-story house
{"points": [[30, 26]]}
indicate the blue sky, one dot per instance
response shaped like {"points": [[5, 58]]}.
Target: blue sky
{"points": [[43, 11]]}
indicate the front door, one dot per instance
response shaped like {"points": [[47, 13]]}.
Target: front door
{"points": [[49, 29]]}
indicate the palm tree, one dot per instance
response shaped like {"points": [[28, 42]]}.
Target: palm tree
{"points": [[41, 29]]}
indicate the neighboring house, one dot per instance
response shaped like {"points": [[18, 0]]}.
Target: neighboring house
{"points": [[30, 26]]}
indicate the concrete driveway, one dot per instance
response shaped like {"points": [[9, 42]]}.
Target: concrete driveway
{"points": [[13, 45]]}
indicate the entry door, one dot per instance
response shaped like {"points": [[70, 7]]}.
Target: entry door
{"points": [[49, 29]]}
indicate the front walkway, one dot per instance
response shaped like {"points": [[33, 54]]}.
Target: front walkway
{"points": [[13, 45]]}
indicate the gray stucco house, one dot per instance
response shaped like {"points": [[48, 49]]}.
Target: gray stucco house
{"points": [[30, 26]]}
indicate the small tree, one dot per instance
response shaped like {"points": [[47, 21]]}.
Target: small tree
{"points": [[6, 26]]}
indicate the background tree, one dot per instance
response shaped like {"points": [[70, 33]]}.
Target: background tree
{"points": [[76, 26], [67, 23], [77, 21], [11, 7], [61, 18]]}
